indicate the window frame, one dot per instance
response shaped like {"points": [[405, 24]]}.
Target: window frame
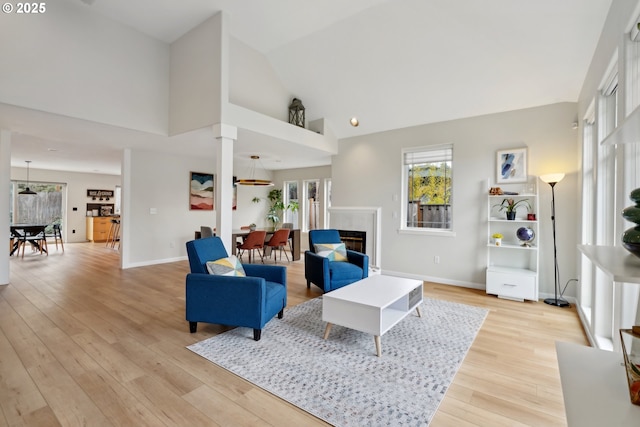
{"points": [[404, 227]]}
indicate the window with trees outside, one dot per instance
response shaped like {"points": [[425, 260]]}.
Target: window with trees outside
{"points": [[427, 181], [311, 207], [290, 196]]}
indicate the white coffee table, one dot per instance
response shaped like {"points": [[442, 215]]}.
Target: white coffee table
{"points": [[372, 305]]}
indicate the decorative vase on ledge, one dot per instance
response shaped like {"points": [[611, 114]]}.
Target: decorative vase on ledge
{"points": [[631, 237], [630, 341]]}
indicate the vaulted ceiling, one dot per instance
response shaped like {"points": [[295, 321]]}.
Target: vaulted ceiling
{"points": [[391, 63]]}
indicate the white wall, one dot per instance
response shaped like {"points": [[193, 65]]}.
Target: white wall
{"points": [[196, 77], [161, 181], [79, 64], [77, 186], [367, 172], [253, 83], [620, 16]]}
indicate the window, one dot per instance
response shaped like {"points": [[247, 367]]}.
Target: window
{"points": [[327, 200], [606, 216], [427, 183], [589, 150], [291, 197], [118, 200], [44, 207], [311, 208]]}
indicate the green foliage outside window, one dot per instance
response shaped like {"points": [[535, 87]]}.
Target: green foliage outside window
{"points": [[430, 183]]}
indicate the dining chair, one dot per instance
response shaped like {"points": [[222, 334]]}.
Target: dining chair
{"points": [[57, 235], [240, 239], [279, 240], [36, 237], [254, 241], [206, 231]]}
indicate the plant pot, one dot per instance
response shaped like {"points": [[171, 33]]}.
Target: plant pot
{"points": [[497, 242], [511, 216]]}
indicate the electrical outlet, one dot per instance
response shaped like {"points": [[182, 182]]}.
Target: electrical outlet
{"points": [[436, 259]]}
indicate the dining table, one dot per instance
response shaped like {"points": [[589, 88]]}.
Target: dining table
{"points": [[23, 233], [294, 236]]}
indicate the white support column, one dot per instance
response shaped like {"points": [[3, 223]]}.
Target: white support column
{"points": [[225, 136], [5, 182]]}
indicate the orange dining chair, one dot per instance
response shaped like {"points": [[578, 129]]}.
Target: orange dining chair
{"points": [[254, 240], [278, 241]]}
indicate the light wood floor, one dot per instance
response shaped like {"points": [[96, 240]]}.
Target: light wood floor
{"points": [[85, 343]]}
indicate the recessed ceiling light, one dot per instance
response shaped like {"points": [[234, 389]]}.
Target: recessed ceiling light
{"points": [[354, 122], [52, 149]]}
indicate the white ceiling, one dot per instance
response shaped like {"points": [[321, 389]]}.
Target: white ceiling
{"points": [[391, 63]]}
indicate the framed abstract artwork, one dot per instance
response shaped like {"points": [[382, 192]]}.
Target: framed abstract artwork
{"points": [[201, 191], [511, 166]]}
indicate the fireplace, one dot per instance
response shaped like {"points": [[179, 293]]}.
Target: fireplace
{"points": [[358, 223], [354, 240]]}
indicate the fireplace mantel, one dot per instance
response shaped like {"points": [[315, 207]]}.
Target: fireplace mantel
{"points": [[365, 219]]}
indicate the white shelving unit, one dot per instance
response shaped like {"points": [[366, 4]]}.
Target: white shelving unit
{"points": [[512, 268]]}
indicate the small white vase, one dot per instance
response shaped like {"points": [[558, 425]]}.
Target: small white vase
{"points": [[498, 242]]}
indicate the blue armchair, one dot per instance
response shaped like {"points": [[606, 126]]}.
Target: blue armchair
{"points": [[330, 275], [249, 301]]}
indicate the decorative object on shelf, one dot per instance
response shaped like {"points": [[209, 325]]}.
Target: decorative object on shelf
{"points": [[251, 179], [510, 206], [495, 191], [511, 165], [531, 217], [497, 238], [252, 227], [296, 113], [201, 191], [552, 179], [27, 190], [525, 235], [631, 236], [100, 194], [630, 340]]}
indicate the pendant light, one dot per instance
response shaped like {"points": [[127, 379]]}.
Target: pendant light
{"points": [[251, 180], [27, 190]]}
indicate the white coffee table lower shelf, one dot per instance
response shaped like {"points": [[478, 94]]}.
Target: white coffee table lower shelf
{"points": [[372, 305]]}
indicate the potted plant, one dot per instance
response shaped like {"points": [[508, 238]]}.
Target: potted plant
{"points": [[497, 238], [277, 207], [509, 206]]}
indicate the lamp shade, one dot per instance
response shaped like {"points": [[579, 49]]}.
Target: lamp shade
{"points": [[552, 178], [28, 191], [251, 179]]}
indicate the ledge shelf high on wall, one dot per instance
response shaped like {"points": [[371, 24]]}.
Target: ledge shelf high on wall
{"points": [[615, 305]]}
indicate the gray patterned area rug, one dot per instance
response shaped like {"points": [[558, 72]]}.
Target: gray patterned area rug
{"points": [[341, 380]]}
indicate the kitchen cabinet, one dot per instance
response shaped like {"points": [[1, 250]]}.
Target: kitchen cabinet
{"points": [[98, 228]]}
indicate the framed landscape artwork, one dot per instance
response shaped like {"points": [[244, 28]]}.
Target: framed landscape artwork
{"points": [[511, 166], [201, 191]]}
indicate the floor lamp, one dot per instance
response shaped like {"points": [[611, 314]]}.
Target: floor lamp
{"points": [[552, 179]]}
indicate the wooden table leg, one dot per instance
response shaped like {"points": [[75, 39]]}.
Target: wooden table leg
{"points": [[418, 311], [378, 345], [327, 330]]}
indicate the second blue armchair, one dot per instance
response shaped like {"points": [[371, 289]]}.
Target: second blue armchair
{"points": [[329, 274]]}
